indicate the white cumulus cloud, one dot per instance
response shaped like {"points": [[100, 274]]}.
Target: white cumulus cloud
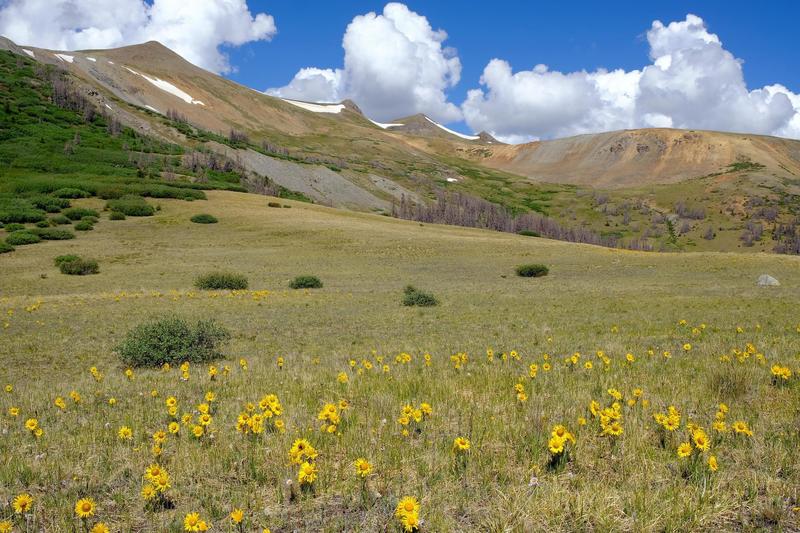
{"points": [[394, 65], [194, 29], [692, 82]]}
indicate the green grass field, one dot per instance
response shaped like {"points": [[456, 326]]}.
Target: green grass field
{"points": [[54, 328]]}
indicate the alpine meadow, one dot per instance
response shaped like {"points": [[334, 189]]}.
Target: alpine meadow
{"points": [[228, 310]]}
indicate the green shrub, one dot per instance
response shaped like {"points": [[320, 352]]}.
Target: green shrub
{"points": [[61, 219], [78, 266], [84, 225], [14, 226], [273, 204], [43, 224], [532, 271], [132, 206], [528, 233], [221, 281], [19, 238], [204, 218], [172, 340], [53, 234], [65, 259], [13, 209], [77, 213], [5, 247], [70, 192], [166, 191], [415, 297], [116, 215], [91, 220], [306, 282], [50, 203], [112, 192]]}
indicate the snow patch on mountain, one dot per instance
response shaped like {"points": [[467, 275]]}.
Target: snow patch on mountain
{"points": [[451, 132], [384, 126], [316, 108], [168, 87]]}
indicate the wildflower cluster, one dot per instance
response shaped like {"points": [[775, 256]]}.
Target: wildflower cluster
{"points": [[411, 418], [193, 522], [303, 454], [522, 396], [459, 360], [609, 418], [407, 512], [780, 374], [32, 425], [252, 422], [155, 483], [331, 416], [561, 439], [667, 423]]}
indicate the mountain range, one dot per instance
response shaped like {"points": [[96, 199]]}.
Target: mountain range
{"points": [[643, 188]]}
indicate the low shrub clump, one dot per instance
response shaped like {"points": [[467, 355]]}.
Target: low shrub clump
{"points": [[221, 281], [532, 271], [19, 238], [74, 265], [18, 210], [172, 340], [306, 282], [415, 297], [77, 213], [528, 233], [204, 218], [273, 204], [49, 204], [84, 225], [70, 192], [116, 215], [14, 226], [5, 247], [132, 206], [65, 259], [53, 234], [60, 220], [111, 192]]}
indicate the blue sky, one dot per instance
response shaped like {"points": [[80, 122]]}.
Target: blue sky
{"points": [[566, 36]]}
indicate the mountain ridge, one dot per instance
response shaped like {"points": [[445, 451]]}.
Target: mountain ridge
{"points": [[663, 155], [620, 186]]}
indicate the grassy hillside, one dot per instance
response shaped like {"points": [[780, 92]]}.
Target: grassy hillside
{"points": [[721, 334], [65, 147], [748, 205], [55, 146]]}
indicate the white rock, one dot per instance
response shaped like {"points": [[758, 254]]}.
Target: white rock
{"points": [[765, 280]]}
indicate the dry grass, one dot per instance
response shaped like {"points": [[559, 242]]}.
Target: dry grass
{"points": [[56, 327]]}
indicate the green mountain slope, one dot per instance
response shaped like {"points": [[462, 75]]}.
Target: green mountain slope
{"points": [[613, 189]]}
